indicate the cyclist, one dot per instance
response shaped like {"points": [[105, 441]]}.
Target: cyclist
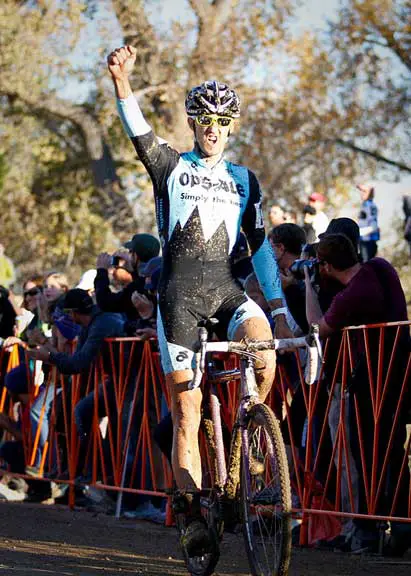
{"points": [[202, 201]]}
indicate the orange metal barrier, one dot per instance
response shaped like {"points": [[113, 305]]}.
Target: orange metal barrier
{"points": [[345, 435]]}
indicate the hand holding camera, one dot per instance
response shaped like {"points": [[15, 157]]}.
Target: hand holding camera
{"points": [[122, 258], [104, 260]]}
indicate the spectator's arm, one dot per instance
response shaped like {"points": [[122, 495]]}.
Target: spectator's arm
{"points": [[82, 357], [9, 425], [106, 299], [143, 305], [313, 310]]}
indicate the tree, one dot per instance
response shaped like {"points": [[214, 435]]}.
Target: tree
{"points": [[322, 108]]}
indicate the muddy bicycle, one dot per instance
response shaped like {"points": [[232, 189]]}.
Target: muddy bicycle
{"points": [[258, 495]]}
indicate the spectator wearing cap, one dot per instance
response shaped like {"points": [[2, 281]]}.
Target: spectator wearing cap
{"points": [[368, 223], [96, 325], [142, 248], [151, 273], [151, 267], [330, 286], [371, 294], [346, 226], [320, 219]]}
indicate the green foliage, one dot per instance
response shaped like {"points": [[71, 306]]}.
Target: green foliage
{"points": [[319, 110]]}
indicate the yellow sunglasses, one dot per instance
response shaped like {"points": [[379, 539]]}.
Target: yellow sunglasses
{"points": [[206, 120]]}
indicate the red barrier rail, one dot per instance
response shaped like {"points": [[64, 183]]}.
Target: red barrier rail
{"points": [[343, 434]]}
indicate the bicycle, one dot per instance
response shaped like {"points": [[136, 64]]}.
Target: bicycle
{"points": [[265, 492]]}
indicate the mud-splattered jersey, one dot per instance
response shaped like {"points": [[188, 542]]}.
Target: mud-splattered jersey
{"points": [[200, 209]]}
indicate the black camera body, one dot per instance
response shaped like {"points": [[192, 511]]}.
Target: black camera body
{"points": [[115, 261], [297, 269]]}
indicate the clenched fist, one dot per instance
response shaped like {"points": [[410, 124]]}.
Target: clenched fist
{"points": [[121, 62]]}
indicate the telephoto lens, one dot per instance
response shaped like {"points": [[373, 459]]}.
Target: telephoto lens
{"points": [[297, 268]]}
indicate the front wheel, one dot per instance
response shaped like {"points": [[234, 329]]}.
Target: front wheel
{"points": [[265, 494]]}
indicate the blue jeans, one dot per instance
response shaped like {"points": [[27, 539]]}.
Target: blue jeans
{"points": [[84, 414], [44, 398]]}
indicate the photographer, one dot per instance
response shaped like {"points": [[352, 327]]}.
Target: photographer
{"points": [[142, 247], [371, 294], [287, 241]]}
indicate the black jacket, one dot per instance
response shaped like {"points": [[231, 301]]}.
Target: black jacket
{"points": [[117, 301]]}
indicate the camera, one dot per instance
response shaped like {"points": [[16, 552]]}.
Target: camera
{"points": [[115, 261], [297, 270]]}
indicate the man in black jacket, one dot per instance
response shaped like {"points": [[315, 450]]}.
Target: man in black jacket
{"points": [[142, 248]]}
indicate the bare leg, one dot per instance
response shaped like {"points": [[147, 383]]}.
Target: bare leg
{"points": [[186, 414], [259, 328]]}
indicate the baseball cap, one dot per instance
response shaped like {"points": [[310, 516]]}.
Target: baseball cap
{"points": [[151, 266], [79, 300], [16, 380], [145, 246], [317, 197], [87, 280], [345, 226], [154, 280], [69, 329]]}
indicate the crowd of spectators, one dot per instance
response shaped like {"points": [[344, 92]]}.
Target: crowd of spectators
{"points": [[56, 325], [329, 275], [337, 282]]}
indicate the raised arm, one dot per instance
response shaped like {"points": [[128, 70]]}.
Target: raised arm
{"points": [[120, 64], [158, 158]]}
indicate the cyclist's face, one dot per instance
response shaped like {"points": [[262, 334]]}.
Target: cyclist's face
{"points": [[211, 139]]}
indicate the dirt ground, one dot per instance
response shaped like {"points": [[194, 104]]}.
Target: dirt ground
{"points": [[38, 540]]}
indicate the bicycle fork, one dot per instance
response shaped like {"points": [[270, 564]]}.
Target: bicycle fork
{"points": [[248, 396]]}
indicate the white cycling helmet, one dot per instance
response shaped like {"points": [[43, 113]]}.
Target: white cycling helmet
{"points": [[212, 97]]}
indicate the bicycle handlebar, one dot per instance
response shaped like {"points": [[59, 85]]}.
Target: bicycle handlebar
{"points": [[311, 342]]}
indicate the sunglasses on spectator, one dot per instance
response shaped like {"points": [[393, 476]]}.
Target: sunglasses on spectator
{"points": [[207, 120], [31, 292]]}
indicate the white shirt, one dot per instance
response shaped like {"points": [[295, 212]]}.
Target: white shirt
{"points": [[320, 223]]}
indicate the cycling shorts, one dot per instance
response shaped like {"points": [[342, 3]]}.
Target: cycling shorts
{"points": [[177, 329]]}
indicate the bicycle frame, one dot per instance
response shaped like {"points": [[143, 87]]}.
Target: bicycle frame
{"points": [[248, 388], [248, 396]]}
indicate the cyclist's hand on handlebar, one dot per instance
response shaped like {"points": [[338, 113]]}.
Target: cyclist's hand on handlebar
{"points": [[282, 330]]}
